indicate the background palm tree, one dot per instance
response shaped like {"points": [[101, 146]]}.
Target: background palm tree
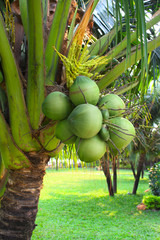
{"points": [[27, 139], [119, 86]]}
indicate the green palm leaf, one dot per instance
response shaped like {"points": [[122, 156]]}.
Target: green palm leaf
{"points": [[55, 38]]}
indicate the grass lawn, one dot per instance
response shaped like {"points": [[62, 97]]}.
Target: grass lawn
{"points": [[75, 204]]}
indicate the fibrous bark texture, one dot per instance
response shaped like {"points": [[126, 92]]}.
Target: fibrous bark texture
{"points": [[114, 166], [105, 167], [133, 169], [19, 205], [139, 170]]}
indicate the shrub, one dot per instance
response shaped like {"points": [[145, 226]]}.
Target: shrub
{"points": [[154, 179], [152, 202]]}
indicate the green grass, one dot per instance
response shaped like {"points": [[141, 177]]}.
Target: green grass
{"points": [[76, 205]]}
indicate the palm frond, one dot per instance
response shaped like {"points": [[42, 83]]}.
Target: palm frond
{"points": [[55, 38]]}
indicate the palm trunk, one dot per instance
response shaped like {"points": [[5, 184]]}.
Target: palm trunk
{"points": [[57, 164], [19, 205], [142, 175], [133, 169], [114, 166], [105, 167], [139, 170]]}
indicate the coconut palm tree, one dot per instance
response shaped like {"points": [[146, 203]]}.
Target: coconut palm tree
{"points": [[31, 68]]}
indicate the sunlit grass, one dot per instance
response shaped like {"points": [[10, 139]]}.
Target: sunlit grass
{"points": [[76, 205]]}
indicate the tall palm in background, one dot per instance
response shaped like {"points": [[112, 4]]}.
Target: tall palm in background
{"points": [[31, 68]]}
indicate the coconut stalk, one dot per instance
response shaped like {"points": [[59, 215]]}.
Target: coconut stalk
{"points": [[48, 140]]}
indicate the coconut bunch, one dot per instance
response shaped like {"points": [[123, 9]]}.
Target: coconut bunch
{"points": [[88, 120]]}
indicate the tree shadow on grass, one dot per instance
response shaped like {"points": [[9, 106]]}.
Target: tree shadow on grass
{"points": [[97, 185]]}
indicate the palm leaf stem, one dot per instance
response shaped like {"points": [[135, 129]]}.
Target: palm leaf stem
{"points": [[55, 38], [119, 50], [120, 68], [23, 9], [71, 29], [35, 83], [126, 88], [122, 45], [101, 45], [17, 108], [12, 156]]}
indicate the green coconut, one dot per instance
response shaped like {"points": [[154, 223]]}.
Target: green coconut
{"points": [[91, 149], [57, 106], [113, 103], [85, 120], [121, 133], [105, 114], [64, 133], [84, 90], [104, 133]]}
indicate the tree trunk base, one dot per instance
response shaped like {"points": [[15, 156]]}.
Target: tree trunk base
{"points": [[105, 167], [139, 170], [114, 167], [19, 205]]}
